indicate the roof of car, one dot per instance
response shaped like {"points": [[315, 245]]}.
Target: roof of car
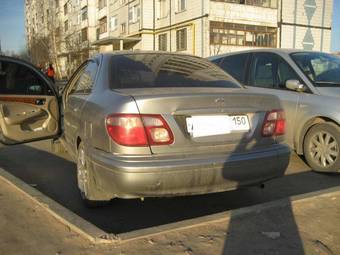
{"points": [[273, 50]]}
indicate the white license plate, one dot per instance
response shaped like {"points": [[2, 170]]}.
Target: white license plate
{"points": [[199, 126]]}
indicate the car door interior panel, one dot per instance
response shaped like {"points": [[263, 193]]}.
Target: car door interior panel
{"points": [[22, 120], [29, 107]]}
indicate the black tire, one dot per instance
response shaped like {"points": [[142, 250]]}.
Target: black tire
{"points": [[87, 186], [321, 147]]}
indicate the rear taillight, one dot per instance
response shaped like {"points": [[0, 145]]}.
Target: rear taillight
{"points": [[139, 129], [274, 123]]}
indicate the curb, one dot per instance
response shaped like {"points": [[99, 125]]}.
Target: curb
{"points": [[98, 236], [63, 215]]}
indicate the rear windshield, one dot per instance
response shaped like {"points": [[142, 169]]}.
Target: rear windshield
{"points": [[155, 70]]}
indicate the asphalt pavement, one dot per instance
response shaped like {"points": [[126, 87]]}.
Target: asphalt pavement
{"points": [[54, 175]]}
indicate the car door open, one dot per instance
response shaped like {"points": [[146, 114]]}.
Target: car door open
{"points": [[29, 108]]}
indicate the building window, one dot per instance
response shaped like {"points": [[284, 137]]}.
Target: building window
{"points": [[181, 39], [123, 28], [101, 4], [242, 35], [181, 5], [66, 25], [84, 13], [65, 9], [84, 34], [134, 13], [103, 25], [113, 23], [162, 42], [261, 3], [163, 9]]}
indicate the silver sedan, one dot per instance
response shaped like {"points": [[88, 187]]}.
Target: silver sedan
{"points": [[143, 124], [308, 85]]}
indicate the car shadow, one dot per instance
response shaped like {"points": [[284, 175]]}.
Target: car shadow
{"points": [[260, 233], [55, 176]]}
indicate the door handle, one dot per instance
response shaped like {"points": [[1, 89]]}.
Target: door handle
{"points": [[40, 101]]}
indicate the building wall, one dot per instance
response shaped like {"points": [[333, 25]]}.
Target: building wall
{"points": [[302, 24], [239, 14], [306, 24], [243, 14]]}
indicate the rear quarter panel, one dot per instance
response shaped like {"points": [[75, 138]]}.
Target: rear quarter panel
{"points": [[102, 102]]}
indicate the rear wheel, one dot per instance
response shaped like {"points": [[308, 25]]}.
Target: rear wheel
{"points": [[84, 179], [321, 147]]}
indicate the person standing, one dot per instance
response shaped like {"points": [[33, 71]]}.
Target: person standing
{"points": [[50, 72]]}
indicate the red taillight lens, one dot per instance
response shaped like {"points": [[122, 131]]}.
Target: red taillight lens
{"points": [[274, 123], [138, 129], [126, 129]]}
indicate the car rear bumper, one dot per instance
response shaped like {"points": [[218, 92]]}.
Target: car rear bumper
{"points": [[152, 176]]}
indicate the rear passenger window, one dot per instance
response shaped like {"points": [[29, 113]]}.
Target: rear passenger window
{"points": [[18, 79], [264, 70], [85, 81], [236, 66]]}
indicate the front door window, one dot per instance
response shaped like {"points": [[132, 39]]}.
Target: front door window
{"points": [[271, 71], [17, 79]]}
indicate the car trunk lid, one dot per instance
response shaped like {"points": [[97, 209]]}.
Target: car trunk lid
{"points": [[211, 107]]}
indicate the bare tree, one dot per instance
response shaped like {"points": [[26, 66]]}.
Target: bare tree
{"points": [[39, 50], [216, 47], [56, 41]]}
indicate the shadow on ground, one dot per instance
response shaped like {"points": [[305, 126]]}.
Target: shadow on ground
{"points": [[54, 175]]}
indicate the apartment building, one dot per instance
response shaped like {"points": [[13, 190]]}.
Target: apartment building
{"points": [[199, 27], [60, 32]]}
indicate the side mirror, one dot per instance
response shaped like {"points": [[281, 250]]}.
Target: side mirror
{"points": [[295, 85]]}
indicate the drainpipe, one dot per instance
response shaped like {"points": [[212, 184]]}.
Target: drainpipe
{"points": [[280, 42], [193, 39], [202, 30], [170, 24], [141, 14], [154, 24]]}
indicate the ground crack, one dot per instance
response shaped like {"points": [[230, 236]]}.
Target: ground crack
{"points": [[323, 247]]}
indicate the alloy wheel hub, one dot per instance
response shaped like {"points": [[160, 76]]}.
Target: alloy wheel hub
{"points": [[324, 149]]}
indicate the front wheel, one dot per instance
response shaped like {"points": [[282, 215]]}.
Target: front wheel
{"points": [[321, 147], [84, 179]]}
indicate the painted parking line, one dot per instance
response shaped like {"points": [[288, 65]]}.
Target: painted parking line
{"points": [[98, 236]]}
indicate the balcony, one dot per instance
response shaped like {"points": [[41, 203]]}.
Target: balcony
{"points": [[84, 23], [102, 12], [83, 3], [259, 3], [225, 11]]}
